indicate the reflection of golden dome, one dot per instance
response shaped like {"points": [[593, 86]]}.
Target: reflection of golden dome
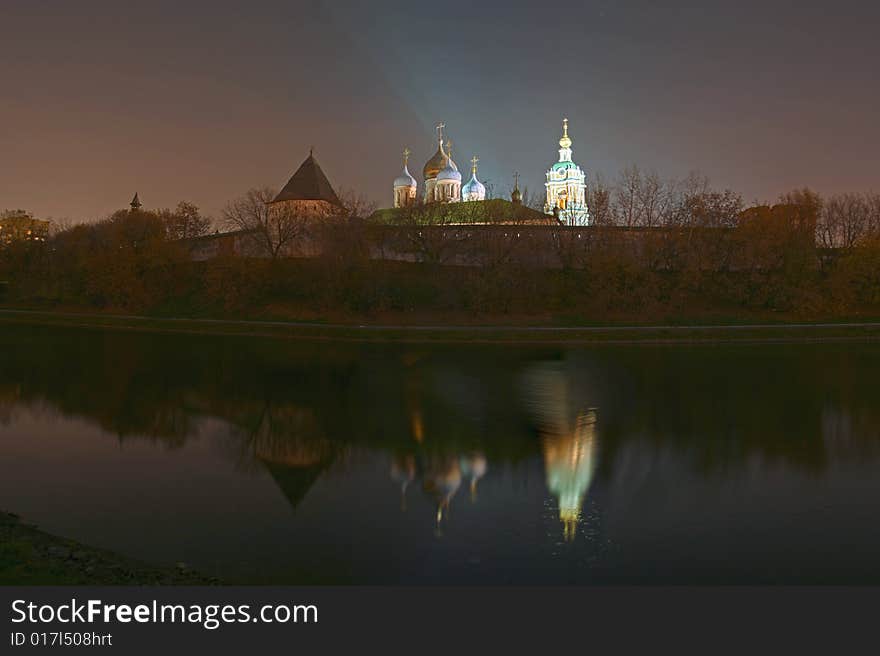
{"points": [[442, 480], [435, 164]]}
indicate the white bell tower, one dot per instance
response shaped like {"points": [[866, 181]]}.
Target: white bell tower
{"points": [[566, 186]]}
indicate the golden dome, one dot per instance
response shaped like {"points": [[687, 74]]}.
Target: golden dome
{"points": [[565, 142], [435, 164]]}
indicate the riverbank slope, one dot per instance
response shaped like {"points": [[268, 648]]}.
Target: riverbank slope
{"points": [[29, 556], [405, 333]]}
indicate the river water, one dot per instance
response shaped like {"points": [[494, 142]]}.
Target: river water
{"points": [[272, 461]]}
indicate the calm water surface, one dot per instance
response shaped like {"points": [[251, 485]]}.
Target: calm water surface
{"points": [[266, 461]]}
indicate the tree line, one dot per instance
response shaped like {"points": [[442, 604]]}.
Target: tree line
{"points": [[657, 249]]}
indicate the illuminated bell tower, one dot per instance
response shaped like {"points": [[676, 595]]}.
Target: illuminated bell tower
{"points": [[566, 186]]}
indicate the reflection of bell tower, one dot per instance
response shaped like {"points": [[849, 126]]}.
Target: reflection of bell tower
{"points": [[568, 437], [569, 460]]}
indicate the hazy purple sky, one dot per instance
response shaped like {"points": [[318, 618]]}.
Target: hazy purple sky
{"points": [[202, 100]]}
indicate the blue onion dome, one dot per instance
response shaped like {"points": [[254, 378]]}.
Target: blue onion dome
{"points": [[473, 189], [449, 172], [449, 160], [405, 179]]}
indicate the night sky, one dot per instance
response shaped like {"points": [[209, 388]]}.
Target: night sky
{"points": [[203, 100]]}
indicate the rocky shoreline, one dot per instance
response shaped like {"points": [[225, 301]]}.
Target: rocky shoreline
{"points": [[29, 556]]}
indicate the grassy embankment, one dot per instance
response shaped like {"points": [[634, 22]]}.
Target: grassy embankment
{"points": [[520, 333], [28, 556]]}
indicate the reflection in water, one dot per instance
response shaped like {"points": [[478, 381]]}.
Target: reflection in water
{"points": [[403, 472], [441, 475], [474, 466], [569, 445], [778, 446], [441, 471], [570, 463], [442, 478]]}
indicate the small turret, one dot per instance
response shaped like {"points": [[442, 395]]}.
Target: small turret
{"points": [[135, 203], [516, 195]]}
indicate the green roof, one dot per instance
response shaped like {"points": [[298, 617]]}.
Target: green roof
{"points": [[495, 210]]}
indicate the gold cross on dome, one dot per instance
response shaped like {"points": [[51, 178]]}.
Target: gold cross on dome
{"points": [[439, 129], [474, 161], [516, 179], [406, 154], [565, 127]]}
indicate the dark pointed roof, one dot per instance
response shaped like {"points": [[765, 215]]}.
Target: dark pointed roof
{"points": [[295, 482], [308, 183], [135, 202]]}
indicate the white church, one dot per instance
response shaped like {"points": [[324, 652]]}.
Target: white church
{"points": [[442, 179], [565, 185]]}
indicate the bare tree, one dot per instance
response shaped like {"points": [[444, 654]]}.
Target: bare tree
{"points": [[626, 196], [274, 226], [654, 197], [534, 201], [844, 220], [356, 205], [598, 197], [874, 221], [344, 238], [429, 234], [185, 221]]}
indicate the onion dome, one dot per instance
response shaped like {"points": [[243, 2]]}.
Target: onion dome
{"points": [[473, 188], [449, 172], [565, 142], [438, 162], [449, 160], [405, 179], [435, 164], [516, 194]]}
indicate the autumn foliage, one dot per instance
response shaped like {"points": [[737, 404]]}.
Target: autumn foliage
{"points": [[657, 251]]}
